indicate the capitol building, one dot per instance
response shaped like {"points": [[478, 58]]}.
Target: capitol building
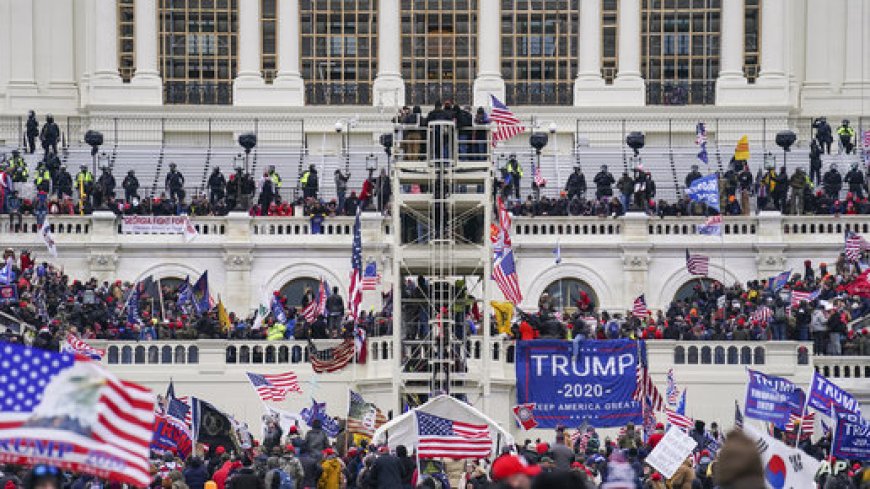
{"points": [[319, 82]]}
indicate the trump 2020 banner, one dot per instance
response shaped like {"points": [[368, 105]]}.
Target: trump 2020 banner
{"points": [[171, 435], [852, 436], [595, 385], [75, 415], [824, 394], [773, 399]]}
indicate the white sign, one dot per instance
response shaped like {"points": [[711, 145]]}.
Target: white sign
{"points": [[671, 452], [158, 225], [784, 466]]}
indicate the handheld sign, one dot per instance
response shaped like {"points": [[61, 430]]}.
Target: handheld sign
{"points": [[671, 452]]}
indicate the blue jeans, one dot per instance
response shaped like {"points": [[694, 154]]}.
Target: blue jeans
{"points": [[575, 345], [625, 200], [777, 330]]}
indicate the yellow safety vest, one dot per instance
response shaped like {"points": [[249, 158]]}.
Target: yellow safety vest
{"points": [[304, 179]]}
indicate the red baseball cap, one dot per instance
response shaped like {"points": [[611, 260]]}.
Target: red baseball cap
{"points": [[508, 465]]}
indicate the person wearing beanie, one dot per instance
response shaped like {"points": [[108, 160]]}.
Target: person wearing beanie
{"points": [[316, 440], [330, 477], [245, 477], [291, 465], [195, 474], [655, 481], [738, 465]]}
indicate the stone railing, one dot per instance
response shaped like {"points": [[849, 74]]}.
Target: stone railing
{"points": [[843, 367]]}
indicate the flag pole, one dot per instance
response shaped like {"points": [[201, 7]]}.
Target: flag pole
{"points": [[347, 434], [160, 295]]}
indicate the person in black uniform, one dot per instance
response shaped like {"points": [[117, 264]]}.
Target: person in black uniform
{"points": [[49, 136], [175, 183], [217, 185], [32, 131], [131, 186]]}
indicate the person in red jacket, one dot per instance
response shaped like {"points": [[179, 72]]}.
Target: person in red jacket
{"points": [[527, 332], [657, 435]]}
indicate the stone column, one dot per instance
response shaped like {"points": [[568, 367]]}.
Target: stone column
{"points": [[856, 56], [772, 40], [106, 41], [288, 79], [731, 39], [589, 82], [22, 74], [146, 80], [388, 89], [629, 86], [249, 87], [489, 80]]}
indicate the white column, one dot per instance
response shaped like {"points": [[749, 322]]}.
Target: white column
{"points": [[489, 80], [772, 39], [288, 79], [106, 45], [628, 87], [731, 39], [856, 57], [20, 37], [145, 17], [249, 88], [589, 83], [388, 89]]}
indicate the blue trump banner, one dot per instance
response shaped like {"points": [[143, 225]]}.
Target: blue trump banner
{"points": [[171, 435], [706, 190], [594, 385], [852, 436], [773, 399], [824, 394]]}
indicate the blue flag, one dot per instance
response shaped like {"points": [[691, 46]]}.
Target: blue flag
{"points": [[200, 294], [133, 306], [278, 310], [706, 190], [824, 394], [681, 406], [557, 253], [779, 281], [318, 411], [7, 276], [851, 439], [185, 293], [773, 399]]}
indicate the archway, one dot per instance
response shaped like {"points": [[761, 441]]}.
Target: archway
{"points": [[294, 290], [688, 289], [565, 292]]}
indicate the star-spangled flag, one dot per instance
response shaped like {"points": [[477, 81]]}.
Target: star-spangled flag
{"points": [[806, 427], [712, 227], [505, 275], [645, 389], [639, 308], [202, 298], [681, 421], [701, 141], [274, 387], [73, 344], [738, 415], [697, 264], [178, 410], [355, 291], [185, 293], [762, 315], [777, 282], [278, 310], [363, 417], [317, 306], [371, 278], [317, 410], [71, 411], [540, 181], [446, 438], [507, 125], [671, 391], [798, 296], [855, 245]]}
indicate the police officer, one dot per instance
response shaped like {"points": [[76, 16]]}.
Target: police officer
{"points": [[603, 183], [309, 183], [131, 186], [106, 185], [515, 172], [855, 179], [85, 183], [217, 185], [42, 179], [63, 183], [576, 184], [846, 135], [815, 162], [18, 167], [832, 182], [823, 133], [175, 183], [692, 176], [50, 135], [276, 178], [32, 131]]}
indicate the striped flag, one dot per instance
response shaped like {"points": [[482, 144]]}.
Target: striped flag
{"points": [[671, 391], [355, 292], [645, 389], [73, 344], [505, 275], [697, 264], [500, 233], [798, 296], [762, 315], [274, 387], [315, 308], [65, 412], [363, 417], [807, 427], [711, 227], [332, 359], [738, 416], [679, 420], [639, 308], [445, 438], [371, 278], [701, 141], [507, 125], [855, 245], [540, 181]]}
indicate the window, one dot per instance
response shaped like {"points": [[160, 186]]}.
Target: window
{"points": [[752, 40], [197, 45], [539, 51], [126, 39], [564, 293], [339, 50], [295, 290], [269, 39], [687, 291], [609, 39], [439, 50], [680, 51]]}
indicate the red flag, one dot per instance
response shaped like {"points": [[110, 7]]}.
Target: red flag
{"points": [[524, 413], [860, 286]]}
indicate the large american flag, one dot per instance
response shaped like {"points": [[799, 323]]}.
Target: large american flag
{"points": [[315, 308], [355, 291], [76, 346], [504, 272], [274, 387], [445, 438], [697, 264], [807, 427], [507, 125], [855, 245], [679, 420], [333, 359], [646, 390], [73, 409], [540, 181], [797, 296], [671, 390], [762, 315], [371, 278], [363, 417], [639, 308]]}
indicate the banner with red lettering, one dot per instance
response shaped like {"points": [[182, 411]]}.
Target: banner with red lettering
{"points": [[155, 224], [171, 435]]}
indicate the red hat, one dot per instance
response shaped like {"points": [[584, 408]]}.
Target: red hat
{"points": [[293, 429], [705, 453], [327, 452], [655, 476], [576, 465], [542, 448], [9, 485], [660, 426], [509, 465], [220, 450], [289, 448], [352, 451]]}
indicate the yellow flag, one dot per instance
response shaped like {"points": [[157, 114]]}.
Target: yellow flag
{"points": [[223, 317], [504, 312], [741, 152]]}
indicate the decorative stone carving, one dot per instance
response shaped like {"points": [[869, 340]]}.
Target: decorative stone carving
{"points": [[104, 262], [635, 262], [238, 261]]}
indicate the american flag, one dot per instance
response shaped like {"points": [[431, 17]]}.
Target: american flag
{"points": [[363, 417], [763, 315], [501, 234], [315, 308], [504, 273], [712, 227], [73, 410], [697, 264], [738, 416], [645, 385], [701, 140], [507, 125], [371, 277], [671, 390], [797, 296], [679, 420], [179, 410], [855, 245], [807, 427], [76, 346], [639, 308], [333, 359], [540, 181], [445, 438], [355, 292], [274, 387]]}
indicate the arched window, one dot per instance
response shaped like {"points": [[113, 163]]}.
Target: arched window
{"points": [[693, 355], [745, 355], [113, 354], [231, 354], [679, 355], [180, 356], [706, 355], [245, 354], [688, 289], [193, 354], [140, 354], [153, 354], [166, 354], [759, 356], [565, 292], [732, 355], [283, 354], [719, 356], [295, 289], [126, 355]]}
